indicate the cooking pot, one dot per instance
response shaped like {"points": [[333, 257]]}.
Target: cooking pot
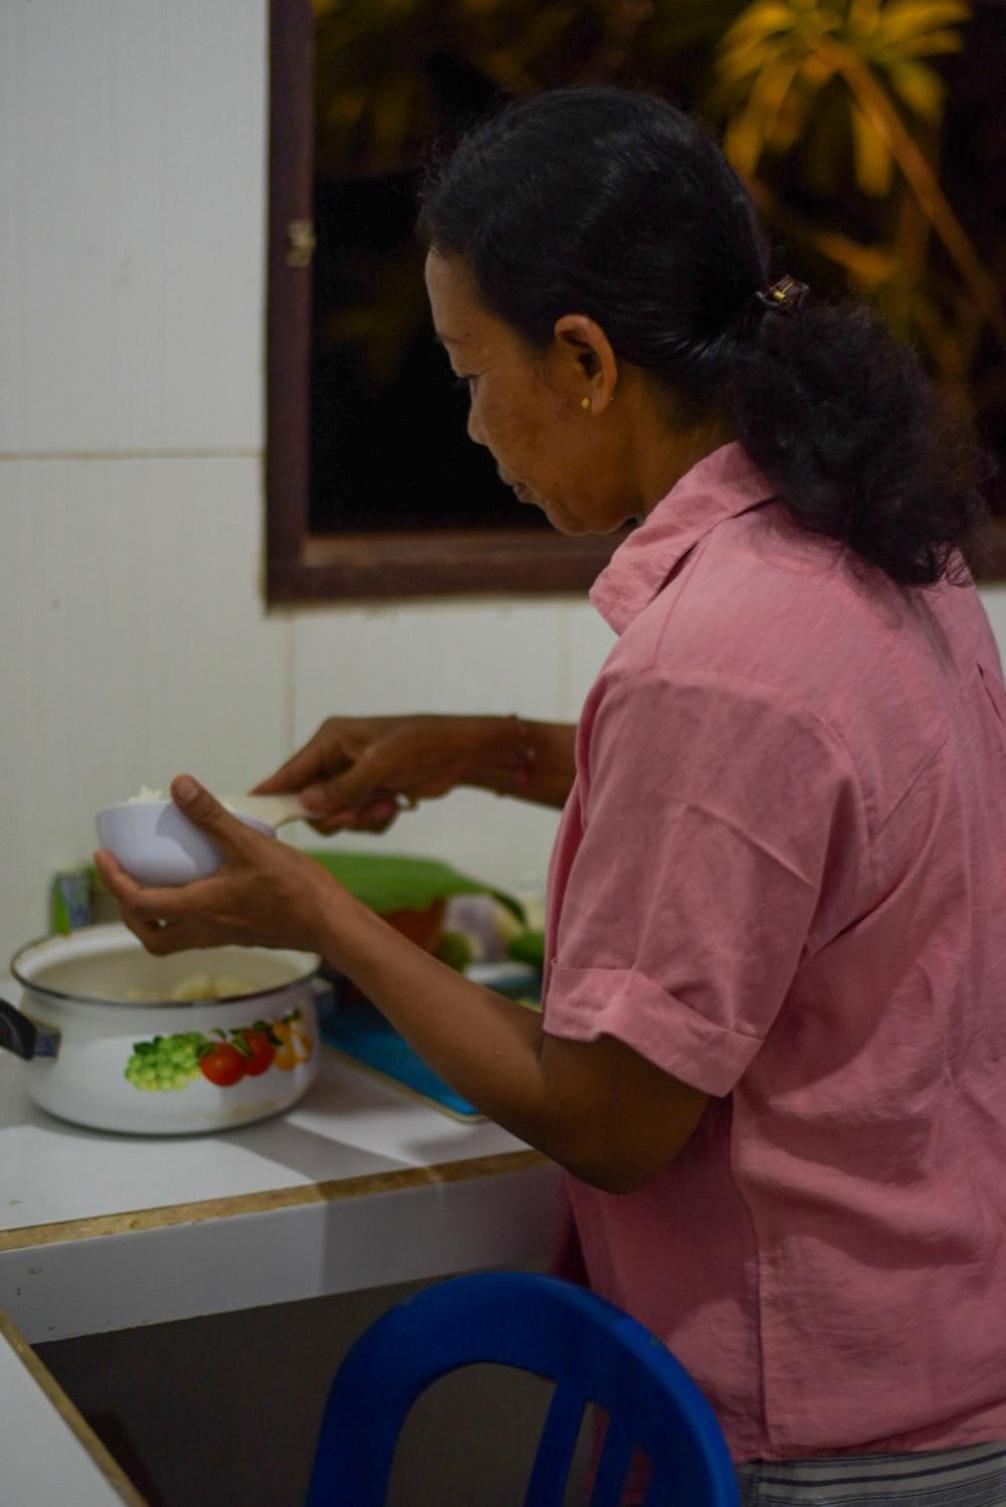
{"points": [[108, 1046]]}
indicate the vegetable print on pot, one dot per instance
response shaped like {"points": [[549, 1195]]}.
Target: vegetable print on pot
{"points": [[116, 1039], [170, 1062]]}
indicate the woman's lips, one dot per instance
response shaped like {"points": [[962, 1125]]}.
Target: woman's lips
{"points": [[518, 488]]}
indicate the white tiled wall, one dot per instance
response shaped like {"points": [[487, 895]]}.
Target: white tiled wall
{"points": [[133, 635], [994, 598], [133, 638], [133, 644], [495, 657], [131, 179]]}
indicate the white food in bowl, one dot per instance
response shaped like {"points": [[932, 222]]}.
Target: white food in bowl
{"points": [[146, 793]]}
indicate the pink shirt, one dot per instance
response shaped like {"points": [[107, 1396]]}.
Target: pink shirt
{"points": [[781, 876]]}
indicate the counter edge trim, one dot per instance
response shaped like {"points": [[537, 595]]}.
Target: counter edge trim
{"points": [[271, 1200], [70, 1414]]}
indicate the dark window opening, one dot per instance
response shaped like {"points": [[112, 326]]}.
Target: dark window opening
{"points": [[373, 487]]}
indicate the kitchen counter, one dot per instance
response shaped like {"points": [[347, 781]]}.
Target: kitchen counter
{"points": [[49, 1453], [359, 1185]]}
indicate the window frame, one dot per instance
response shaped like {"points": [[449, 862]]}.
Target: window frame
{"points": [[302, 566]]}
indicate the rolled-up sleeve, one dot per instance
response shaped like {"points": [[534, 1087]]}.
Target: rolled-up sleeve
{"points": [[715, 821]]}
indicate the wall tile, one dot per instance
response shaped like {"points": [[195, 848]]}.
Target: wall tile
{"points": [[994, 598], [135, 645], [586, 641], [487, 656], [133, 244]]}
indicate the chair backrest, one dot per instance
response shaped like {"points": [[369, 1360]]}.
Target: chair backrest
{"points": [[593, 1351]]}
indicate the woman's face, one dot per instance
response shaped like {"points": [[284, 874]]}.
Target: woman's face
{"points": [[540, 414]]}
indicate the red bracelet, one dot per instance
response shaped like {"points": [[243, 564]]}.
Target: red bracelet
{"points": [[525, 754]]}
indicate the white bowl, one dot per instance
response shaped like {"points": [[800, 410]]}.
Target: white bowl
{"points": [[157, 844]]}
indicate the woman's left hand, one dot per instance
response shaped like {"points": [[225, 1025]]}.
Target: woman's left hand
{"points": [[264, 894]]}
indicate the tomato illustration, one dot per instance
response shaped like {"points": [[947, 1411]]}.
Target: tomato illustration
{"points": [[259, 1051], [223, 1064]]}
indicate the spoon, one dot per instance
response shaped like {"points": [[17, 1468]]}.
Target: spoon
{"points": [[273, 810]]}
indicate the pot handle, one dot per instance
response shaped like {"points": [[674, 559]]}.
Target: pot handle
{"points": [[23, 1037], [325, 995]]}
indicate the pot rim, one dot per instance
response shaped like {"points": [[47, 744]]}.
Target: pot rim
{"points": [[149, 1004]]}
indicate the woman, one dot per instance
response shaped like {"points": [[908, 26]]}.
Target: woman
{"points": [[771, 1056]]}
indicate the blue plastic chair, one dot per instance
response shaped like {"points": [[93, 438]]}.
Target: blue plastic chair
{"points": [[593, 1351]]}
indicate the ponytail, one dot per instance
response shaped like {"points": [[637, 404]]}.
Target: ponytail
{"points": [[858, 440]]}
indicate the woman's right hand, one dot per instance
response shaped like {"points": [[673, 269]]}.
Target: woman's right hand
{"points": [[360, 772]]}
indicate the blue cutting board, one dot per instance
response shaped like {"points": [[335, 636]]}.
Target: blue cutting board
{"points": [[361, 1032], [357, 1028]]}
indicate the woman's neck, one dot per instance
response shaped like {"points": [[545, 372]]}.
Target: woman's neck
{"points": [[672, 453]]}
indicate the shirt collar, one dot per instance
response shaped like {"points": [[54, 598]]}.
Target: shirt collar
{"points": [[722, 485]]}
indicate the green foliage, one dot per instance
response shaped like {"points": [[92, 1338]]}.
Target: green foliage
{"points": [[831, 109], [842, 91], [774, 63]]}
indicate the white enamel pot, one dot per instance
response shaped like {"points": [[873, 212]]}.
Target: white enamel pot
{"points": [[161, 1066]]}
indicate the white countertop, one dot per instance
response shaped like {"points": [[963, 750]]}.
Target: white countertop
{"points": [[49, 1453], [358, 1185]]}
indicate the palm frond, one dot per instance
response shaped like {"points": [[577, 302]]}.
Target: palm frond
{"points": [[874, 166], [919, 88]]}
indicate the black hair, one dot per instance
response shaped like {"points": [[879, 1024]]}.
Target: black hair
{"points": [[614, 204]]}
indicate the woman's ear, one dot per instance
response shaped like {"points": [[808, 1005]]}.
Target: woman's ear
{"points": [[587, 364]]}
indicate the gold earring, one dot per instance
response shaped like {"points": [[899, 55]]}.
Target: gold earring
{"points": [[585, 403]]}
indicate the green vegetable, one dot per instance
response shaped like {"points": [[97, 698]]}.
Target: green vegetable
{"points": [[528, 947], [455, 950]]}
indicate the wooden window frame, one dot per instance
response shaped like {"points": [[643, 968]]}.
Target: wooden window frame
{"points": [[301, 566]]}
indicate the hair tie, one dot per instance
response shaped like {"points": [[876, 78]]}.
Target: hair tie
{"points": [[784, 296]]}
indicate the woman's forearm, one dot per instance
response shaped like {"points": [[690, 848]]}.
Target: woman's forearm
{"points": [[485, 1045], [596, 1107], [531, 760]]}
